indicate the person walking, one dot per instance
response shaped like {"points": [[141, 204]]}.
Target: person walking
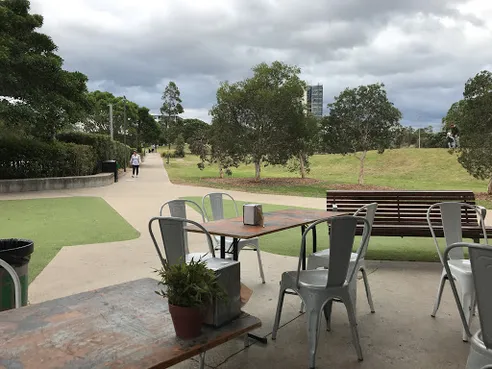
{"points": [[456, 135], [135, 163]]}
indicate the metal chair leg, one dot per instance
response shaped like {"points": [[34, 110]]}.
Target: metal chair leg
{"points": [[260, 264], [368, 289], [314, 313], [327, 310], [278, 313], [202, 360], [353, 325], [439, 294]]}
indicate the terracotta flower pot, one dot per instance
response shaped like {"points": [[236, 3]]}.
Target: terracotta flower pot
{"points": [[187, 321]]}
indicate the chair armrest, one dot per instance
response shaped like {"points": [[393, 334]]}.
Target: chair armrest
{"points": [[483, 211]]}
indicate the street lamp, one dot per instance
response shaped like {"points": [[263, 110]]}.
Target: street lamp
{"points": [[111, 120], [124, 119]]}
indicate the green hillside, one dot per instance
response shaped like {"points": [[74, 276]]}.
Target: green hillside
{"points": [[424, 169]]}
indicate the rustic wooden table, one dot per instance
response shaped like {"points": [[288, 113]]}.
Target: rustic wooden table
{"points": [[274, 221], [124, 326]]}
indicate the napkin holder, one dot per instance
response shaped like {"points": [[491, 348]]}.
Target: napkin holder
{"points": [[253, 215]]}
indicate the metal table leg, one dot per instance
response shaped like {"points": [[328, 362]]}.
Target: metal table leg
{"points": [[222, 247], [303, 229], [235, 249]]}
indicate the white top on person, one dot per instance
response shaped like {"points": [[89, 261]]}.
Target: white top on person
{"points": [[135, 159]]}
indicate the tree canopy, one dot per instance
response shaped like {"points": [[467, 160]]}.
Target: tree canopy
{"points": [[258, 119], [170, 109], [361, 119], [42, 97], [473, 116]]}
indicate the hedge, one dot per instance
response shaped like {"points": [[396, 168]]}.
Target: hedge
{"points": [[27, 158], [104, 148]]}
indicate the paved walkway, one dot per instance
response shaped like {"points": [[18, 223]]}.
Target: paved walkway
{"points": [[400, 335]]}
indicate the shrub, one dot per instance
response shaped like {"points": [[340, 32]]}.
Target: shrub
{"points": [[103, 146], [27, 158], [180, 147]]}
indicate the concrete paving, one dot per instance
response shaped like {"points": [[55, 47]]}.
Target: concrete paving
{"points": [[401, 334]]}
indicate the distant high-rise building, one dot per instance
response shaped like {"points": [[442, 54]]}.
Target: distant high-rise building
{"points": [[314, 100]]}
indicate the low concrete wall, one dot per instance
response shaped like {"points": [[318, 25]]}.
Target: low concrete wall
{"points": [[55, 183]]}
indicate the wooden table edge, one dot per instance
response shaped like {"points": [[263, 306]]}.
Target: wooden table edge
{"points": [[209, 345]]}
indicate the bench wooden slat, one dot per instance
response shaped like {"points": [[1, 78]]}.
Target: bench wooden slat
{"points": [[404, 213]]}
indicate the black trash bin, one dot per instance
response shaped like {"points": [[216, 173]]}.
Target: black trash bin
{"points": [[110, 166], [17, 253]]}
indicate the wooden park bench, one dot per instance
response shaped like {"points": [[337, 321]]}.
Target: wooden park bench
{"points": [[404, 213]]}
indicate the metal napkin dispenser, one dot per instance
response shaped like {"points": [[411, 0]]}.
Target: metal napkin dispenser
{"points": [[222, 312], [253, 215]]}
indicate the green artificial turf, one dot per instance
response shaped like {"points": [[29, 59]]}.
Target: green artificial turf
{"points": [[57, 222]]}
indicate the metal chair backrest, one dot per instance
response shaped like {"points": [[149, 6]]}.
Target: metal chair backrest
{"points": [[450, 214], [368, 212], [342, 236], [177, 209], [15, 280], [481, 265], [174, 240], [216, 200]]}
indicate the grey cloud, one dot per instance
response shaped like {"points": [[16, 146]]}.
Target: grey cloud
{"points": [[333, 41]]}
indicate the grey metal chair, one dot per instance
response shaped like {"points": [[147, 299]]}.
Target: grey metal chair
{"points": [[451, 220], [216, 202], [15, 280], [321, 259], [174, 239], [480, 355], [317, 288], [177, 209]]}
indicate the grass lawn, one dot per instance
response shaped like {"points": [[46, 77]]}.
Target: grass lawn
{"points": [[413, 169], [54, 223], [380, 248]]}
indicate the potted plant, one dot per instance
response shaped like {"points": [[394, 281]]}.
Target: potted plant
{"points": [[190, 288]]}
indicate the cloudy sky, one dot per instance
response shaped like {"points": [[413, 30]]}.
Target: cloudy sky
{"points": [[423, 50]]}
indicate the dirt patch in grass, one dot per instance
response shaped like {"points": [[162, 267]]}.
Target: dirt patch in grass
{"points": [[483, 196], [248, 182], [358, 187], [290, 181]]}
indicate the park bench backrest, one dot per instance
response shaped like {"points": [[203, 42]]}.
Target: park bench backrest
{"points": [[402, 207]]}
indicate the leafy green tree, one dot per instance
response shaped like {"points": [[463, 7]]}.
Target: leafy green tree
{"points": [[473, 116], [180, 146], [148, 130], [171, 106], [257, 119], [362, 119], [193, 128], [47, 98], [306, 142]]}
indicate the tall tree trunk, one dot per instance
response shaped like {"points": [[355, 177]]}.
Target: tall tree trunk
{"points": [[302, 166], [258, 170], [362, 158], [167, 133], [489, 187]]}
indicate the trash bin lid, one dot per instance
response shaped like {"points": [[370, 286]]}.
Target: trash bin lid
{"points": [[16, 247], [109, 161]]}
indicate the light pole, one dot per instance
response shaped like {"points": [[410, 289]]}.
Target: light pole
{"points": [[111, 120], [124, 126], [124, 119]]}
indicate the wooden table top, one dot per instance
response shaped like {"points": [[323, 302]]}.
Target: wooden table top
{"points": [[125, 326], [274, 221]]}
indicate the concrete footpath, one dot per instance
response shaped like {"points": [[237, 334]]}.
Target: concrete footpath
{"points": [[401, 334]]}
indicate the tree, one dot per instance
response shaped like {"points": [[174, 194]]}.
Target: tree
{"points": [[473, 116], [47, 98], [257, 119], [193, 128], [362, 119], [171, 105], [148, 130], [305, 145]]}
